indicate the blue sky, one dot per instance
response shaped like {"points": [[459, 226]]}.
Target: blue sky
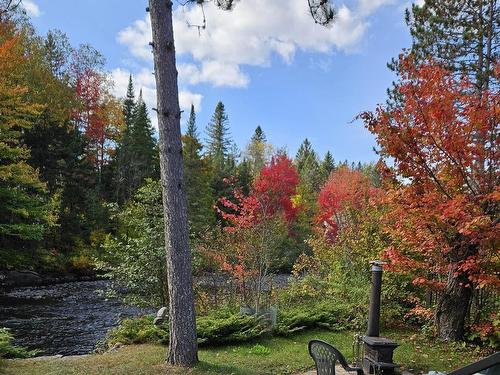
{"points": [[266, 60]]}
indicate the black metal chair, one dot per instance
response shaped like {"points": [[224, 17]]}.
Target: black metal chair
{"points": [[325, 356]]}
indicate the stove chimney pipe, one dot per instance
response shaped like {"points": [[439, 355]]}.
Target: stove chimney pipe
{"points": [[374, 313], [378, 350]]}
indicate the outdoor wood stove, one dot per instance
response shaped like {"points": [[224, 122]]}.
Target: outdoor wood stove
{"points": [[378, 351]]}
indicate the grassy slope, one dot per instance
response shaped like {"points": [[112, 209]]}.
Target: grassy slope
{"points": [[287, 356]]}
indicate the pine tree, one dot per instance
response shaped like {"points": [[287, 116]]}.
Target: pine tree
{"points": [[462, 36], [258, 151], [308, 167], [327, 167], [232, 159], [129, 104], [219, 141], [135, 155], [183, 349], [220, 151], [307, 164], [197, 179], [142, 146], [243, 171], [57, 51], [192, 130], [259, 135], [123, 157]]}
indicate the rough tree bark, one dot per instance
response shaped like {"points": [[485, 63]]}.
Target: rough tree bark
{"points": [[452, 308], [183, 349]]}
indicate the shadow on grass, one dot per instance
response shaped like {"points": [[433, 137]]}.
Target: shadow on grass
{"points": [[222, 369], [204, 367]]}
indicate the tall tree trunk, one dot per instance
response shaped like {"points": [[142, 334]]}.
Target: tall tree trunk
{"points": [[183, 347], [452, 308]]}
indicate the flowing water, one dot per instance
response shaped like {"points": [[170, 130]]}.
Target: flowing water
{"points": [[65, 319]]}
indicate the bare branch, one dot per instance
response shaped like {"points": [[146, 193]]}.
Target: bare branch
{"points": [[7, 6], [321, 11]]}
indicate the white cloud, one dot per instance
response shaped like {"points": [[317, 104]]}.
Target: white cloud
{"points": [[31, 8], [214, 72], [250, 35], [186, 98], [367, 7], [137, 37]]}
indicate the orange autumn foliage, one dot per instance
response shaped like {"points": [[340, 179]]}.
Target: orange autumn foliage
{"points": [[442, 146], [345, 190]]}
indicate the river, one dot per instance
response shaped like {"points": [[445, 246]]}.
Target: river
{"points": [[65, 319]]}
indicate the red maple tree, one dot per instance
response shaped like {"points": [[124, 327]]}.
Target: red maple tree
{"points": [[271, 194], [345, 190], [441, 141], [257, 227]]}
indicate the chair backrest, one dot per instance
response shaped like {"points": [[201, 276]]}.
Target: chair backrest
{"points": [[325, 356]]}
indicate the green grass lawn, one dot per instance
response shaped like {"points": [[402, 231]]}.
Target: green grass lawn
{"points": [[285, 356]]}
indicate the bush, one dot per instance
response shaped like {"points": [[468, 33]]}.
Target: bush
{"points": [[486, 333], [336, 316], [221, 327], [224, 326], [138, 331], [7, 350]]}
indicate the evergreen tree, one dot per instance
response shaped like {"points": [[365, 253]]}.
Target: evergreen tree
{"points": [[232, 159], [57, 51], [129, 104], [259, 135], [220, 151], [123, 158], [371, 171], [142, 145], [192, 130], [57, 151], [219, 141], [197, 179], [462, 35], [258, 151], [327, 167], [243, 171], [307, 164], [136, 152], [308, 167]]}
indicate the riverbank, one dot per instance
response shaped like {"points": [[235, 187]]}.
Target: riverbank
{"points": [[267, 356], [21, 278]]}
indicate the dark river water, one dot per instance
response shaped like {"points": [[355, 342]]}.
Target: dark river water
{"points": [[62, 319]]}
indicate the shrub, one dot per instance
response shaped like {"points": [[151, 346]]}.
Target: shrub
{"points": [[138, 331], [7, 350], [487, 332], [221, 327], [333, 315], [217, 329]]}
